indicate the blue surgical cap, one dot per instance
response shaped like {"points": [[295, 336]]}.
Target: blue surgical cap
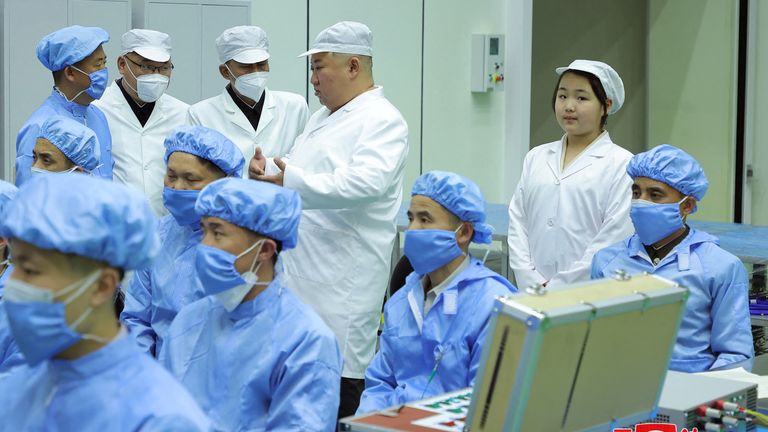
{"points": [[7, 193], [77, 141], [458, 195], [264, 208], [207, 144], [86, 216], [672, 166], [69, 45]]}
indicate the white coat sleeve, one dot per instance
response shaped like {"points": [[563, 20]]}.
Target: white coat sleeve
{"points": [[377, 159], [616, 226], [520, 260]]}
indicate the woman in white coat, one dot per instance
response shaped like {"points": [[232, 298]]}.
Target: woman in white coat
{"points": [[573, 197]]}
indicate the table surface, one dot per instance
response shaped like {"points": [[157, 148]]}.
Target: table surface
{"points": [[748, 242]]}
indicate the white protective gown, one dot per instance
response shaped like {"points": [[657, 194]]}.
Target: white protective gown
{"points": [[282, 119], [559, 218], [138, 150], [348, 168]]}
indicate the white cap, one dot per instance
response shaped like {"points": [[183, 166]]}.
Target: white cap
{"points": [[346, 37], [243, 44], [611, 81], [150, 44]]}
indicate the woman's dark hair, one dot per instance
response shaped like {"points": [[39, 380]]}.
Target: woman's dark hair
{"points": [[597, 88]]}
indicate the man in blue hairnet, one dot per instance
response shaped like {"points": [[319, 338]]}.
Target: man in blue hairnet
{"points": [[715, 331], [82, 371], [254, 356], [79, 65], [9, 353], [64, 145], [194, 156], [435, 326]]}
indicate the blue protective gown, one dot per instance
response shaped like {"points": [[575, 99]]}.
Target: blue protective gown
{"points": [[401, 369], [156, 294], [9, 352], [271, 364], [116, 388], [88, 115], [715, 331]]}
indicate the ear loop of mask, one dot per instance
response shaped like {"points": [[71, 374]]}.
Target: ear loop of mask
{"points": [[141, 105], [237, 93], [84, 285], [255, 264], [81, 91]]}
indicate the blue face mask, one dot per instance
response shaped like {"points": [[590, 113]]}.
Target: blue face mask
{"points": [[219, 277], [430, 249], [181, 204], [39, 324], [98, 83], [654, 222]]}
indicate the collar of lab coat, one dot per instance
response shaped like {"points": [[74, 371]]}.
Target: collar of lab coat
{"points": [[377, 92], [103, 359], [114, 96], [596, 149], [681, 252], [75, 109], [262, 302], [238, 118]]}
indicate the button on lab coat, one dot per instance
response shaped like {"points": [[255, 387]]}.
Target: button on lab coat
{"points": [[138, 150], [348, 168], [282, 119], [715, 332], [558, 218], [56, 104], [448, 340]]}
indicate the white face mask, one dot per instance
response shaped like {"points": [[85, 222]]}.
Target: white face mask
{"points": [[42, 171], [232, 297], [149, 87], [251, 85]]}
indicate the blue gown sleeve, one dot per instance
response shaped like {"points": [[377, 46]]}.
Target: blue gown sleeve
{"points": [[137, 312], [380, 381], [731, 328], [306, 396]]}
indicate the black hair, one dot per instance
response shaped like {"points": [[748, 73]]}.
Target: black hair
{"points": [[597, 88]]}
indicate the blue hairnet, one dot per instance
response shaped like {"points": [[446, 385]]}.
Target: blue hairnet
{"points": [[86, 216], [7, 192], [264, 208], [672, 166], [207, 144], [458, 195], [69, 45], [77, 141]]}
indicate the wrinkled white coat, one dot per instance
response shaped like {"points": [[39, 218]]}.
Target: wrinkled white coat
{"points": [[282, 119], [348, 168], [559, 218]]}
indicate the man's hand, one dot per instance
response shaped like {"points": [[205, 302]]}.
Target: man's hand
{"points": [[257, 165], [277, 178]]}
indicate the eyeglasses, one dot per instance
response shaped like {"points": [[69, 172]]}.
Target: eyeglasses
{"points": [[152, 69]]}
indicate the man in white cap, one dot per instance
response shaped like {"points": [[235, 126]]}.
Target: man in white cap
{"points": [[141, 114], [246, 111], [347, 166]]}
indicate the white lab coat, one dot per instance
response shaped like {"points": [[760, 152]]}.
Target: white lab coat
{"points": [[348, 168], [139, 151], [283, 118], [559, 219]]}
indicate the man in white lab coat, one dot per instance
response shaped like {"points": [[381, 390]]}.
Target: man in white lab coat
{"points": [[348, 167], [140, 114], [246, 111]]}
